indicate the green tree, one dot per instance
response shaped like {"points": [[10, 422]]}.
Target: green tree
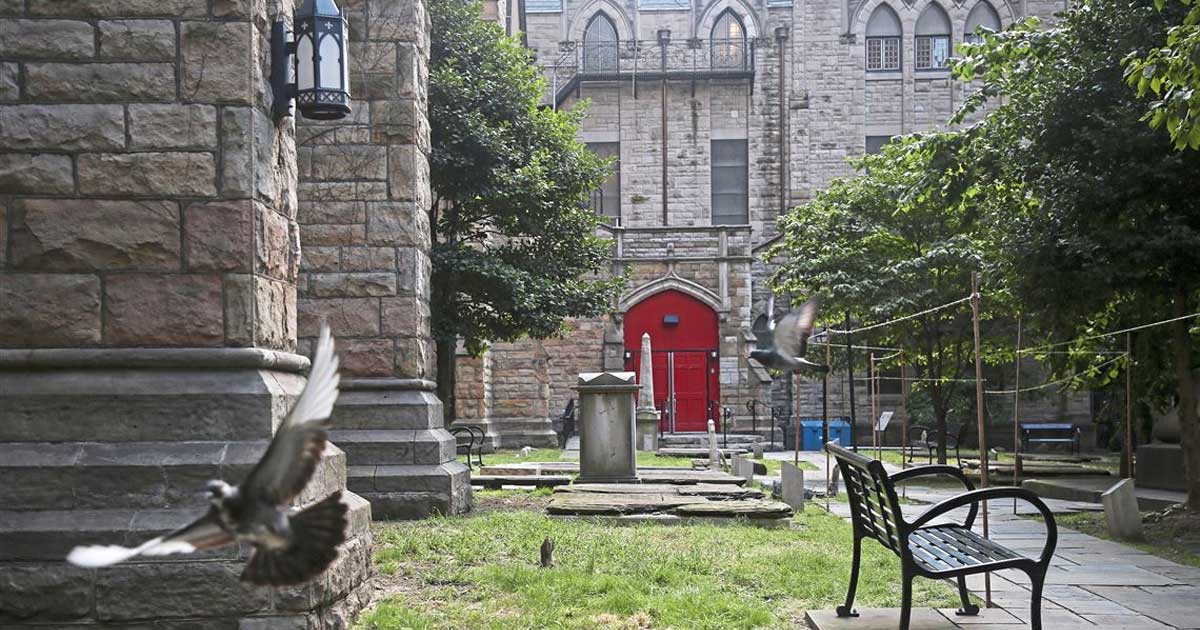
{"points": [[900, 238], [514, 245], [1095, 215], [1171, 72]]}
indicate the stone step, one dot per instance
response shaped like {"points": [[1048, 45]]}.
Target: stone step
{"points": [[408, 492], [383, 409], [538, 481], [396, 447], [53, 592], [701, 439], [695, 451], [132, 475]]}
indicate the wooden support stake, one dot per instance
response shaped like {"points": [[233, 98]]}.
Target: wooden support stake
{"points": [[1017, 416], [1128, 406], [983, 453], [825, 417], [873, 391]]}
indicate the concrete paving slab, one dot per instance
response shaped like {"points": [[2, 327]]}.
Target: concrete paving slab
{"points": [[878, 619], [1177, 606], [986, 616]]}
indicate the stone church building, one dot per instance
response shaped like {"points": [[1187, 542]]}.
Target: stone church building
{"points": [[720, 115]]}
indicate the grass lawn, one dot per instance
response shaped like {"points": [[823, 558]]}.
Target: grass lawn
{"points": [[481, 571], [1175, 538], [644, 458]]}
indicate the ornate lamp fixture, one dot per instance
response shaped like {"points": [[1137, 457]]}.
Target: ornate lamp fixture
{"points": [[311, 67]]}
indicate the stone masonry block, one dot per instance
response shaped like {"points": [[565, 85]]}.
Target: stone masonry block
{"points": [[328, 235], [149, 174], [239, 309], [237, 168], [340, 212], [117, 8], [163, 310], [320, 259], [351, 284], [137, 40], [10, 89], [63, 127], [49, 310], [36, 174], [369, 259], [218, 236], [3, 233], [405, 316], [216, 61], [61, 592], [347, 317], [349, 162], [275, 314], [272, 252], [366, 357], [75, 234], [177, 589], [172, 126], [100, 82], [47, 39], [395, 224], [415, 356]]}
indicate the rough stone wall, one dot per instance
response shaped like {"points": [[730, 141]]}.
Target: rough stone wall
{"points": [[148, 264], [364, 198]]}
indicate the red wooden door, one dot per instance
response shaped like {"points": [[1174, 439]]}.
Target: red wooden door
{"points": [[691, 391]]}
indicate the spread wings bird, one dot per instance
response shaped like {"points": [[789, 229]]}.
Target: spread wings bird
{"points": [[290, 546]]}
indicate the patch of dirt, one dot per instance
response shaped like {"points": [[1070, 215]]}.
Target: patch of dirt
{"points": [[1174, 526], [520, 500]]}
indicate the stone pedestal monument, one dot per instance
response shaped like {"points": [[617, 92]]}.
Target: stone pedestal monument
{"points": [[606, 427], [1160, 463], [647, 415]]}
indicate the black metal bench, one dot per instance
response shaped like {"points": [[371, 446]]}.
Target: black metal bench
{"points": [[475, 437], [564, 424], [1050, 433], [929, 550], [922, 437]]}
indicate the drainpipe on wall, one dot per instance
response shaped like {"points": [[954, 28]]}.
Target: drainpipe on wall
{"points": [[781, 35], [664, 38]]}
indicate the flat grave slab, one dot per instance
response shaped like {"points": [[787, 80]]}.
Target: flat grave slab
{"points": [[706, 490]]}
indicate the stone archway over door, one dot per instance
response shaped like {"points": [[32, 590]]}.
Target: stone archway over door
{"points": [[683, 333]]}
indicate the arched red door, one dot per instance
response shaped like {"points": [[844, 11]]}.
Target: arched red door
{"points": [[683, 335]]}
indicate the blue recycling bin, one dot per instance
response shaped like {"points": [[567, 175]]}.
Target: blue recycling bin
{"points": [[813, 433]]}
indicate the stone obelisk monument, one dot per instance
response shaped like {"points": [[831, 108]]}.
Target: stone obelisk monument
{"points": [[647, 415]]}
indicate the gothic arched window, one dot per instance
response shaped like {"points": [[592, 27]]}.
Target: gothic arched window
{"points": [[728, 41], [600, 45], [983, 16], [883, 40], [933, 38]]}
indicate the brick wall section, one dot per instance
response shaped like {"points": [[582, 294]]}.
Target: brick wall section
{"points": [[144, 188], [363, 201]]}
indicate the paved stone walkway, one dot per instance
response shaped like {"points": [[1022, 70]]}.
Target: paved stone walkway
{"points": [[1092, 582]]}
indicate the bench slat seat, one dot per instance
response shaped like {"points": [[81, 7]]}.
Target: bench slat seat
{"points": [[945, 548], [928, 549]]}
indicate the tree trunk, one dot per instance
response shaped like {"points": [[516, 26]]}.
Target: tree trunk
{"points": [[1186, 388], [447, 349]]}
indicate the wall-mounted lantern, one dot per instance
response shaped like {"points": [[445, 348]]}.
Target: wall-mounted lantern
{"points": [[310, 65], [664, 36]]}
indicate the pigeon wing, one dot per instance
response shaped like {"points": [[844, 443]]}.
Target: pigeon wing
{"points": [[792, 332], [292, 457], [203, 533]]}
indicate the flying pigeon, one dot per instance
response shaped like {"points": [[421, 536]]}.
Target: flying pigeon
{"points": [[791, 339], [290, 547]]}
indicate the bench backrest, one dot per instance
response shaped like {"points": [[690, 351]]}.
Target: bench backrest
{"points": [[1047, 426], [874, 507]]}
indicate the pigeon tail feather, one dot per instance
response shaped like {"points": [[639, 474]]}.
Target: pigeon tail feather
{"points": [[316, 533]]}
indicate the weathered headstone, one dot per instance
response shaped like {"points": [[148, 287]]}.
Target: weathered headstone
{"points": [[743, 468], [793, 486], [1121, 511], [757, 449], [714, 454], [647, 415], [606, 427]]}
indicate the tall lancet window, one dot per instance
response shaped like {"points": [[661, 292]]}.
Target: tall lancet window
{"points": [[933, 38], [982, 18], [600, 45], [883, 40], [729, 42]]}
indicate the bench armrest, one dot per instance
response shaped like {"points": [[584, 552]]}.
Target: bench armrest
{"points": [[975, 497], [935, 469]]}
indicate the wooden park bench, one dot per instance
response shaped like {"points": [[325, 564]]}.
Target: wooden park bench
{"points": [[936, 551], [1050, 433]]}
